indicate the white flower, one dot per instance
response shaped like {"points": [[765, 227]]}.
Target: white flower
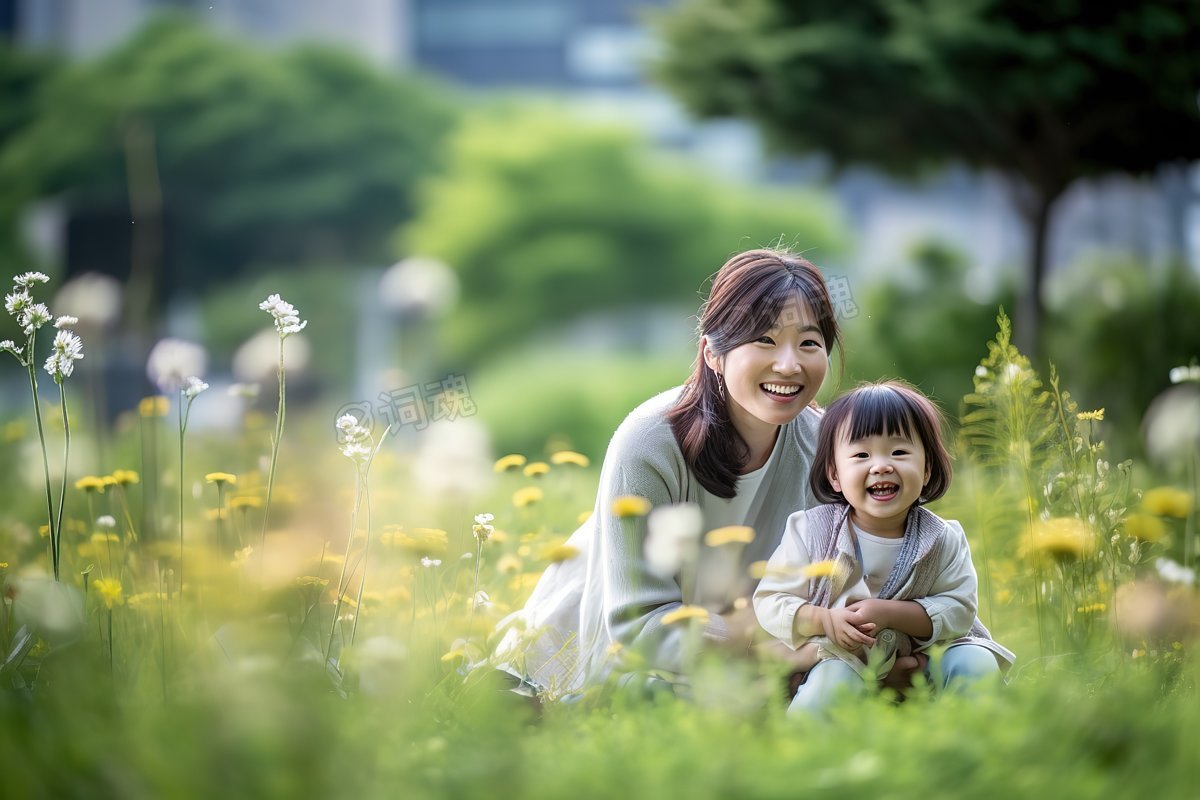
{"points": [[66, 321], [674, 529], [16, 302], [287, 319], [106, 521], [355, 439], [94, 298], [172, 360], [68, 348], [426, 561], [34, 317], [1172, 572], [194, 387], [249, 391], [30, 277], [9, 345], [482, 529]]}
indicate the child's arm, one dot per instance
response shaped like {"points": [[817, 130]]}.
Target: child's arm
{"points": [[906, 616], [781, 601]]}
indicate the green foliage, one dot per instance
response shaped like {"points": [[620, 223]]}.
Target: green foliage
{"points": [[1132, 324], [545, 219], [1044, 92], [289, 157], [903, 322], [527, 399]]}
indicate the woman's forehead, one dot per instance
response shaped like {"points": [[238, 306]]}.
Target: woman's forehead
{"points": [[795, 313]]}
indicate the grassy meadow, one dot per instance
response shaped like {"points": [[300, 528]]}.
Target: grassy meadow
{"points": [[292, 608]]}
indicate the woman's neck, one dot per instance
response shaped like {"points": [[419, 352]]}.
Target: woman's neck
{"points": [[760, 444]]}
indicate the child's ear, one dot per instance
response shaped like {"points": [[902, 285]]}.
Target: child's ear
{"points": [[831, 474]]}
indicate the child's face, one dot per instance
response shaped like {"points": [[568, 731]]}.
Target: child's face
{"points": [[881, 478]]}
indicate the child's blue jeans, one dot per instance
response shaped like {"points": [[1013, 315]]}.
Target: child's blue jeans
{"points": [[961, 665]]}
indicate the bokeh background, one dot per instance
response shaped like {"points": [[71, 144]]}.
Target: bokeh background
{"points": [[531, 195]]}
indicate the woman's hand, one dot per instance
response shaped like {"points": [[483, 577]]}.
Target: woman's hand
{"points": [[901, 675]]}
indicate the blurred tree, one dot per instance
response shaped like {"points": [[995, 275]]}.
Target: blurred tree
{"points": [[22, 76], [923, 327], [223, 156], [545, 219], [1132, 326], [1045, 91]]}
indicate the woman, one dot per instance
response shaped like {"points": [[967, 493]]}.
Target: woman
{"points": [[737, 439]]}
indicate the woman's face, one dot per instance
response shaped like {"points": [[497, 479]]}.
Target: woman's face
{"points": [[769, 381]]}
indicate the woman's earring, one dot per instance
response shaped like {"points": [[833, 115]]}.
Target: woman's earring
{"points": [[720, 386]]}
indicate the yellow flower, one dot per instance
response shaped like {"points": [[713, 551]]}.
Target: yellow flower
{"points": [[124, 477], [558, 552], [14, 431], [154, 406], [304, 581], [730, 534], [570, 457], [1061, 537], [419, 541], [90, 483], [1145, 527], [536, 469], [820, 569], [245, 501], [109, 590], [214, 514], [1003, 596], [630, 505], [3, 565], [684, 613], [1091, 416], [221, 478], [757, 570], [508, 564], [1092, 608], [1167, 501], [143, 600], [509, 462], [528, 496], [104, 538]]}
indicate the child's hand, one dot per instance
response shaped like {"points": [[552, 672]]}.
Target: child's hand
{"points": [[848, 628], [873, 611]]}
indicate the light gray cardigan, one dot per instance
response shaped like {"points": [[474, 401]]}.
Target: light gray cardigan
{"points": [[605, 595]]}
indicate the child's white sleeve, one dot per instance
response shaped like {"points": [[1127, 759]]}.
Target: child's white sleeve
{"points": [[953, 600], [784, 589]]}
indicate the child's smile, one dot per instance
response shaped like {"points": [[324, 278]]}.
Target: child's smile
{"points": [[881, 477]]}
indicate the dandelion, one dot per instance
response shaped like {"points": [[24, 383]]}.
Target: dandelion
{"points": [[1092, 608], [730, 534], [509, 564], [154, 406], [757, 570], [685, 613], [109, 590], [630, 505], [1091, 416], [106, 521], [523, 498], [570, 457], [536, 469], [820, 569], [509, 463], [673, 533], [90, 483], [557, 553], [307, 581], [220, 478], [124, 477], [1167, 501], [1144, 528], [1063, 538], [171, 361]]}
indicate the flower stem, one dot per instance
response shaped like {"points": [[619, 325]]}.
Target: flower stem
{"points": [[37, 414], [182, 429], [62, 495], [279, 415]]}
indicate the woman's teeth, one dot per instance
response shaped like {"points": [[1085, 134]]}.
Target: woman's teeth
{"points": [[775, 388]]}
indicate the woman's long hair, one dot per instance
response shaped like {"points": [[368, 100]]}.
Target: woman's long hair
{"points": [[747, 297]]}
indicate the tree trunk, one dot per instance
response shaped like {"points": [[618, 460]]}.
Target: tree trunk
{"points": [[1027, 327]]}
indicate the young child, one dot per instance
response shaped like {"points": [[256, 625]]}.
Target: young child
{"points": [[872, 574]]}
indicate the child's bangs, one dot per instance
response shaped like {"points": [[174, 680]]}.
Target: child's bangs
{"points": [[879, 411]]}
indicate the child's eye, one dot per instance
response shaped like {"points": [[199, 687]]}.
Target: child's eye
{"points": [[899, 452], [860, 455], [812, 343], [765, 340]]}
